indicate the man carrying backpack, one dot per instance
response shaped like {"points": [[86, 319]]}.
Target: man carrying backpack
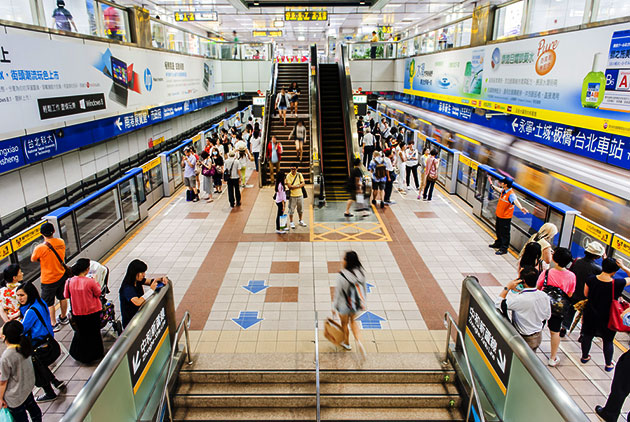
{"points": [[431, 173], [379, 178]]}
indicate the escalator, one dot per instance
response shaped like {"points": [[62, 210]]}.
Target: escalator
{"points": [[334, 150]]}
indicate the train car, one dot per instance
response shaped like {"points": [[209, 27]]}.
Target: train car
{"points": [[599, 191]]}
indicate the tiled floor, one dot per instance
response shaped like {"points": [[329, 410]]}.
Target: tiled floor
{"points": [[251, 291]]}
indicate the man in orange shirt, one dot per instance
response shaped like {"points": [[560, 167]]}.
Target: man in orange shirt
{"points": [[504, 213], [53, 274]]}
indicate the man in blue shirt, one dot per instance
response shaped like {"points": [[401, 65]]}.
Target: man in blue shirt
{"points": [[63, 17]]}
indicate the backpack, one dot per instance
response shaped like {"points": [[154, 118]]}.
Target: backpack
{"points": [[354, 297], [432, 175], [380, 171]]}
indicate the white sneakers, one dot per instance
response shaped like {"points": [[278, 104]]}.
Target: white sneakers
{"points": [[301, 223], [553, 362], [292, 225]]}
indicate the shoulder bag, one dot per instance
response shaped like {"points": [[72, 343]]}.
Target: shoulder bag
{"points": [[432, 174], [304, 194], [617, 307], [48, 351], [559, 300], [228, 174], [67, 271], [333, 331]]}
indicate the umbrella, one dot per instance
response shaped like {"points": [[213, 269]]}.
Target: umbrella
{"points": [[579, 307]]}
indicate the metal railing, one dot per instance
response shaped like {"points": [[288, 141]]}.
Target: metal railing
{"points": [[269, 110], [449, 323], [317, 389], [185, 324]]}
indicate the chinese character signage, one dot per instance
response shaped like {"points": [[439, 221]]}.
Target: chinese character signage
{"points": [[197, 16], [578, 79], [305, 15], [494, 351], [143, 350]]}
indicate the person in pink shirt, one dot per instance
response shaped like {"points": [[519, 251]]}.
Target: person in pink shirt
{"points": [[84, 294], [564, 279]]}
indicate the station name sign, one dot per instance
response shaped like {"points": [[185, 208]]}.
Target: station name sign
{"points": [[273, 33], [305, 15], [206, 16]]}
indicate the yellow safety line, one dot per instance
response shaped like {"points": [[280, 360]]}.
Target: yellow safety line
{"points": [[380, 220], [142, 226], [475, 219]]}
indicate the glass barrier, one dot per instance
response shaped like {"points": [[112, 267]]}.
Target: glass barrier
{"points": [[75, 16], [610, 9], [508, 20], [155, 175], [142, 196], [17, 11], [5, 255], [551, 14], [372, 50], [69, 235], [130, 204], [96, 216], [23, 255], [115, 22], [174, 163]]}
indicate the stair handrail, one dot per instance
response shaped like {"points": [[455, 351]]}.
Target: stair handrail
{"points": [[165, 399], [317, 390], [319, 117], [267, 119], [449, 322], [315, 124]]}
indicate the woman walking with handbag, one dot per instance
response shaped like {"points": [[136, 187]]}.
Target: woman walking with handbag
{"points": [[85, 307], [349, 298], [559, 284], [17, 376], [280, 197], [46, 350], [601, 290]]}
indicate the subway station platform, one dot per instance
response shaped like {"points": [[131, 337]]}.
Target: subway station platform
{"points": [[254, 296]]}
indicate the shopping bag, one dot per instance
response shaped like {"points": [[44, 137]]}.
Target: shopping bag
{"points": [[333, 331], [360, 202], [5, 415], [283, 221]]}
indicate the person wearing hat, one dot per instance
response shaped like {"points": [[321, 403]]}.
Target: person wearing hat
{"points": [[504, 213], [63, 18], [583, 269], [51, 255], [243, 156]]}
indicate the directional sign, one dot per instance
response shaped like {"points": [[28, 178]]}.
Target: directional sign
{"points": [[255, 286], [369, 287], [198, 16], [306, 15], [370, 321], [246, 319]]}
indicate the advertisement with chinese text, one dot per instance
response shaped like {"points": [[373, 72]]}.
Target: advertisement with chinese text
{"points": [[579, 78]]}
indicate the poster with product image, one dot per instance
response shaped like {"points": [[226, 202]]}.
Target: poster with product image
{"points": [[577, 78]]}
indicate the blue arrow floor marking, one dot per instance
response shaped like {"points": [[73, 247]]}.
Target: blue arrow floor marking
{"points": [[247, 318], [369, 287], [370, 321], [255, 286]]}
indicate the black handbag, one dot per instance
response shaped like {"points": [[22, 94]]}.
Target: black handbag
{"points": [[227, 174], [49, 350], [560, 302]]}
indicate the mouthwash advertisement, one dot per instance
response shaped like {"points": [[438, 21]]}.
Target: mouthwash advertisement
{"points": [[579, 78]]}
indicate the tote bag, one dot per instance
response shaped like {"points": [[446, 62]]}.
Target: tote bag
{"points": [[615, 322]]}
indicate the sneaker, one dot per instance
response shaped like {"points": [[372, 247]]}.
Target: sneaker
{"points": [[553, 362], [494, 245], [64, 320], [392, 202], [281, 232], [609, 368], [347, 214], [382, 204], [500, 252], [292, 225], [57, 327], [61, 386], [586, 359], [346, 346], [302, 223], [44, 398]]}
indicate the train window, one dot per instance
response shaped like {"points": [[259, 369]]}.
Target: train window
{"points": [[69, 235], [98, 215], [142, 196], [556, 218]]}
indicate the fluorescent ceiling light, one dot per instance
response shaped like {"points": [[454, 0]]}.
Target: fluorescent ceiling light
{"points": [[301, 38], [278, 24]]}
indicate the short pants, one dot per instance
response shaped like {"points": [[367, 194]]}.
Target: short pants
{"points": [[54, 290], [378, 185], [295, 201], [191, 182], [282, 107]]}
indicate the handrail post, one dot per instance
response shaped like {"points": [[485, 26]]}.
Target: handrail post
{"points": [[188, 354], [448, 340], [317, 398]]}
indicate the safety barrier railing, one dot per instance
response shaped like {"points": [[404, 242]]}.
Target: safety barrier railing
{"points": [[165, 398], [269, 110], [347, 106], [504, 374], [473, 396], [317, 383]]}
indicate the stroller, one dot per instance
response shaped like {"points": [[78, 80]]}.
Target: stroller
{"points": [[100, 273]]}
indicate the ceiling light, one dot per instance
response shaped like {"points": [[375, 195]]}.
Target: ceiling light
{"points": [[278, 24], [301, 38], [256, 3], [362, 3]]}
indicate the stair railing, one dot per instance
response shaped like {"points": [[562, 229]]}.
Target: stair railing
{"points": [[317, 391], [165, 399], [449, 323], [315, 122]]}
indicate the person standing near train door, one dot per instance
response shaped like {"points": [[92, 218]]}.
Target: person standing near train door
{"points": [[504, 213]]}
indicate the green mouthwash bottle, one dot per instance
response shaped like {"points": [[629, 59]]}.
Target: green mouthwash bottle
{"points": [[594, 85]]}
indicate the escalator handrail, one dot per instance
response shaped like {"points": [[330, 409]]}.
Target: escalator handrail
{"points": [[345, 104], [319, 119], [269, 114]]}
